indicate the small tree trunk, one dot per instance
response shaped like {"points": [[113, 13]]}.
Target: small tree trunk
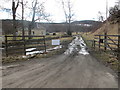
{"points": [[29, 30], [14, 29], [14, 8], [31, 25], [23, 31], [69, 29]]}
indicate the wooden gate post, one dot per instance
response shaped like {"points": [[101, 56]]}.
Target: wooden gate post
{"points": [[105, 41], [93, 43], [118, 47], [99, 41]]}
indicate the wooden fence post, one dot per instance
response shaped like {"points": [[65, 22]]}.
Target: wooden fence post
{"points": [[6, 46], [24, 45], [99, 41], [44, 43]]}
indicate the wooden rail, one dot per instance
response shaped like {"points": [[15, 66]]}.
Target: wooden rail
{"points": [[107, 42], [20, 45]]}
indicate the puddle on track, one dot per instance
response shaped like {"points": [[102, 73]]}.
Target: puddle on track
{"points": [[73, 46]]}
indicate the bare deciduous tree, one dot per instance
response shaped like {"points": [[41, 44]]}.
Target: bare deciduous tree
{"points": [[15, 5], [100, 16], [38, 13], [68, 12], [115, 13]]}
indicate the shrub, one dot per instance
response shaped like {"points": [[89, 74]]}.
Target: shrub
{"points": [[114, 13], [47, 33], [54, 33]]}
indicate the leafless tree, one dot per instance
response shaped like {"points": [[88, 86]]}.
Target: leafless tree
{"points": [[68, 12], [115, 13], [118, 16], [100, 16], [15, 5], [38, 13]]}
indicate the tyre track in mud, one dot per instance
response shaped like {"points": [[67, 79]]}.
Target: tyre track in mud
{"points": [[38, 72], [65, 66]]}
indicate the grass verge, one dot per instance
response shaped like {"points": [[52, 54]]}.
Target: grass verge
{"points": [[102, 56]]}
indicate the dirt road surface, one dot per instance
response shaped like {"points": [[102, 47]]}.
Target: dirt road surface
{"points": [[72, 70]]}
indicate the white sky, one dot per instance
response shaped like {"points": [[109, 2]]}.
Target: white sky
{"points": [[83, 9]]}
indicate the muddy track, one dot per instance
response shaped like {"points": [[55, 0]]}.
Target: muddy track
{"points": [[62, 71]]}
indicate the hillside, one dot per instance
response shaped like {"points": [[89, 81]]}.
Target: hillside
{"points": [[86, 22], [76, 26], [112, 29], [111, 25]]}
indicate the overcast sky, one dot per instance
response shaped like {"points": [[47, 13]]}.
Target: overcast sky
{"points": [[83, 9]]}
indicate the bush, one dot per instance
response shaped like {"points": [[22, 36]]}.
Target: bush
{"points": [[114, 14], [47, 33], [54, 33], [69, 33]]}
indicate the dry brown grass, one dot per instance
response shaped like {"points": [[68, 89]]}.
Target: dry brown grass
{"points": [[112, 29], [106, 57]]}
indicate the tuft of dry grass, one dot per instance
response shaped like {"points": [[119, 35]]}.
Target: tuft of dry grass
{"points": [[11, 59]]}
